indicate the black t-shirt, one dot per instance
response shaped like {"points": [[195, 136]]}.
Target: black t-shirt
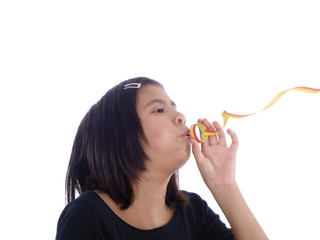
{"points": [[89, 217]]}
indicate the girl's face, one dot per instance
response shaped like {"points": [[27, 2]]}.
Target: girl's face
{"points": [[164, 127]]}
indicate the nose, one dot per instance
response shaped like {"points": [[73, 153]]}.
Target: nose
{"points": [[180, 119]]}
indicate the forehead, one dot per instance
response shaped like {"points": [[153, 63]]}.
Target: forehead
{"points": [[149, 92]]}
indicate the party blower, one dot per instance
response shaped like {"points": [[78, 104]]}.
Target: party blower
{"points": [[201, 129]]}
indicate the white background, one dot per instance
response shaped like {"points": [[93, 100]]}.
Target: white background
{"points": [[57, 58]]}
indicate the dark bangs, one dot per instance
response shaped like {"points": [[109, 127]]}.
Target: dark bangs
{"points": [[107, 154]]}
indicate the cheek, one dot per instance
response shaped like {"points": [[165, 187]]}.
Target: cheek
{"points": [[159, 139]]}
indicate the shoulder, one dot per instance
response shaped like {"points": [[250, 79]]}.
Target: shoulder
{"points": [[81, 206], [206, 222], [79, 217], [195, 201], [193, 197], [199, 207], [196, 208]]}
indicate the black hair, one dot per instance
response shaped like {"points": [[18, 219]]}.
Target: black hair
{"points": [[107, 154]]}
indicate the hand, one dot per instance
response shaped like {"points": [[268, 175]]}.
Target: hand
{"points": [[216, 161]]}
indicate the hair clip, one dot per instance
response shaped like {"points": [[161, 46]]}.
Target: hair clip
{"points": [[132, 85]]}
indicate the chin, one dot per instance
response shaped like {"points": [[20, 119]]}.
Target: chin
{"points": [[184, 161]]}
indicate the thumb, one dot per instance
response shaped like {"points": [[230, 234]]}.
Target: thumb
{"points": [[195, 148]]}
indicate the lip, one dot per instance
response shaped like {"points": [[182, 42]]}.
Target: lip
{"points": [[186, 135]]}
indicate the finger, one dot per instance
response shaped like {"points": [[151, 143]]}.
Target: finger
{"points": [[221, 134], [196, 149], [206, 143], [234, 138], [212, 140]]}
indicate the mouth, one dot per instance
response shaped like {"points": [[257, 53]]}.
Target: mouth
{"points": [[186, 135]]}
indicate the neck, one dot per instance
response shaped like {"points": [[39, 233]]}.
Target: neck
{"points": [[149, 209], [150, 192]]}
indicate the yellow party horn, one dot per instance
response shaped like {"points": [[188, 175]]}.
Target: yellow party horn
{"points": [[204, 132]]}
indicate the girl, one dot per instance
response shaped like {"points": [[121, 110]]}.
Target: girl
{"points": [[124, 163]]}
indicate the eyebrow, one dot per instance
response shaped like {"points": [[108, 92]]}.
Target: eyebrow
{"points": [[159, 101]]}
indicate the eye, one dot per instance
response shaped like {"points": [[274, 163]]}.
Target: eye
{"points": [[159, 110]]}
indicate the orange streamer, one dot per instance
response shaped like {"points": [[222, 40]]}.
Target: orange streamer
{"points": [[227, 115], [204, 133]]}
